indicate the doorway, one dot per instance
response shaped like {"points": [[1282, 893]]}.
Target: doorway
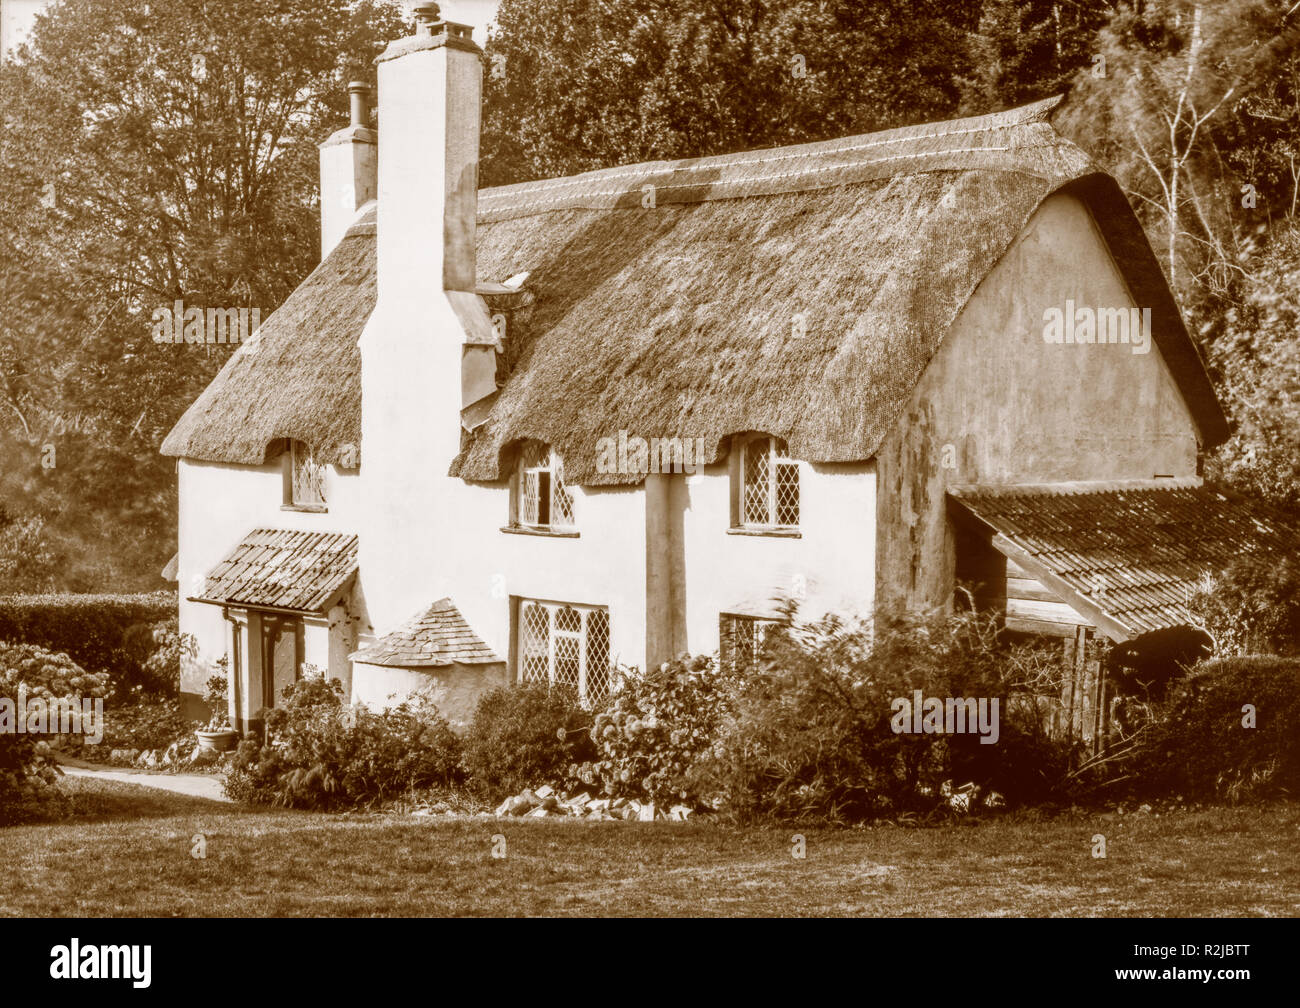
{"points": [[281, 656]]}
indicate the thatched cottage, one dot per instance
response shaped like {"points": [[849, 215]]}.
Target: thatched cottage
{"points": [[540, 431]]}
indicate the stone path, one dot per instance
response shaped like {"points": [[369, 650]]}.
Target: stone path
{"points": [[194, 785]]}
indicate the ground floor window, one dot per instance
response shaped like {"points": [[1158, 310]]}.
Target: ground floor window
{"points": [[565, 644], [741, 640]]}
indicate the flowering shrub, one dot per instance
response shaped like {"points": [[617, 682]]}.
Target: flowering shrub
{"points": [[651, 737], [525, 736], [109, 633], [28, 771], [27, 777], [48, 674], [320, 753]]}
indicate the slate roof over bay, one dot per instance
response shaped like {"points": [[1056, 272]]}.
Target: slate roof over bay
{"points": [[282, 569], [1127, 555], [439, 636]]}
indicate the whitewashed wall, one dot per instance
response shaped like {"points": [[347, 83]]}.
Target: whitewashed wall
{"points": [[830, 568], [219, 505]]}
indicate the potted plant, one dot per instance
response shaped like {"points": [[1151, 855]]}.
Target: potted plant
{"points": [[217, 735]]}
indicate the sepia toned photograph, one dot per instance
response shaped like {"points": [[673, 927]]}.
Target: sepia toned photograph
{"points": [[649, 458]]}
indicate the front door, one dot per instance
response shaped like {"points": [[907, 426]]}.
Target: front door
{"points": [[281, 656]]}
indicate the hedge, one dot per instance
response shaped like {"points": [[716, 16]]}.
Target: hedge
{"points": [[1229, 731], [101, 633]]}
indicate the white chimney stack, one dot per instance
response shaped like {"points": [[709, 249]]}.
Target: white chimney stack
{"points": [[349, 174], [427, 318], [430, 88]]}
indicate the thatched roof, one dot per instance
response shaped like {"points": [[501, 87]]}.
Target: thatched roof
{"points": [[799, 291], [300, 376]]}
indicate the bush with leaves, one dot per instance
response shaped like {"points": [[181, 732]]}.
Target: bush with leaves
{"points": [[1227, 732], [106, 633], [147, 723], [320, 753], [28, 775], [525, 736], [1253, 607], [810, 733], [49, 674], [652, 736]]}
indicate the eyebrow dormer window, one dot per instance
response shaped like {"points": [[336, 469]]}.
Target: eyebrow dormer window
{"points": [[543, 501], [769, 485], [305, 482]]}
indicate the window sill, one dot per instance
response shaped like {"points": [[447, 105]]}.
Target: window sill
{"points": [[308, 508], [545, 533], [773, 533]]}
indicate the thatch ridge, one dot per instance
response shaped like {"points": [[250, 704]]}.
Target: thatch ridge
{"points": [[799, 291]]}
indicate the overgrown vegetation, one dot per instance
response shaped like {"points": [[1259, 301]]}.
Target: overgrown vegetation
{"points": [[1229, 732], [525, 736], [133, 638], [320, 753], [1253, 607]]}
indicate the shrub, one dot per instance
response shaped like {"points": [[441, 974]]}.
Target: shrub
{"points": [[322, 754], [48, 674], [1253, 607], [28, 771], [651, 738], [99, 632], [148, 723], [810, 734], [28, 774], [1197, 745], [525, 736]]}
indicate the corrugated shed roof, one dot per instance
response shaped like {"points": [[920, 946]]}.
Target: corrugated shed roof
{"points": [[438, 636], [282, 569], [799, 291], [1127, 555]]}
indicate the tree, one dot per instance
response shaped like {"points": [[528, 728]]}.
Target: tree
{"points": [[152, 153], [574, 85]]}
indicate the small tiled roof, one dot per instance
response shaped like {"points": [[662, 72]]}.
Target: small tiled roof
{"points": [[280, 569], [1127, 555], [438, 636]]}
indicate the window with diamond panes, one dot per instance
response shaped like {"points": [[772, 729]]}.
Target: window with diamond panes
{"points": [[307, 476], [566, 644], [769, 485], [742, 639], [544, 501]]}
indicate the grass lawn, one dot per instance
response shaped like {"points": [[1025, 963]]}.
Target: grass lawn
{"points": [[126, 851]]}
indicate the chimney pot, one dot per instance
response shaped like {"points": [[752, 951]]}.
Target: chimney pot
{"points": [[427, 15], [359, 92]]}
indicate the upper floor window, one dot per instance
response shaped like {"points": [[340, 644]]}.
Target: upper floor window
{"points": [[565, 644], [305, 483], [543, 501], [769, 484]]}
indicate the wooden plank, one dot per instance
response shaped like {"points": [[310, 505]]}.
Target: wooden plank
{"points": [[1044, 628], [1049, 612], [1097, 616], [1029, 589]]}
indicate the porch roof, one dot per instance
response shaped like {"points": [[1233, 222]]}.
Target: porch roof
{"points": [[438, 636], [282, 569], [1126, 555]]}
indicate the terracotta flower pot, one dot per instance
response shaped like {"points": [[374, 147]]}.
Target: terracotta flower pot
{"points": [[223, 740]]}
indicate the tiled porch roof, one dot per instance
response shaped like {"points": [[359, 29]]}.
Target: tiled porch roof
{"points": [[438, 636], [1126, 556], [280, 569]]}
